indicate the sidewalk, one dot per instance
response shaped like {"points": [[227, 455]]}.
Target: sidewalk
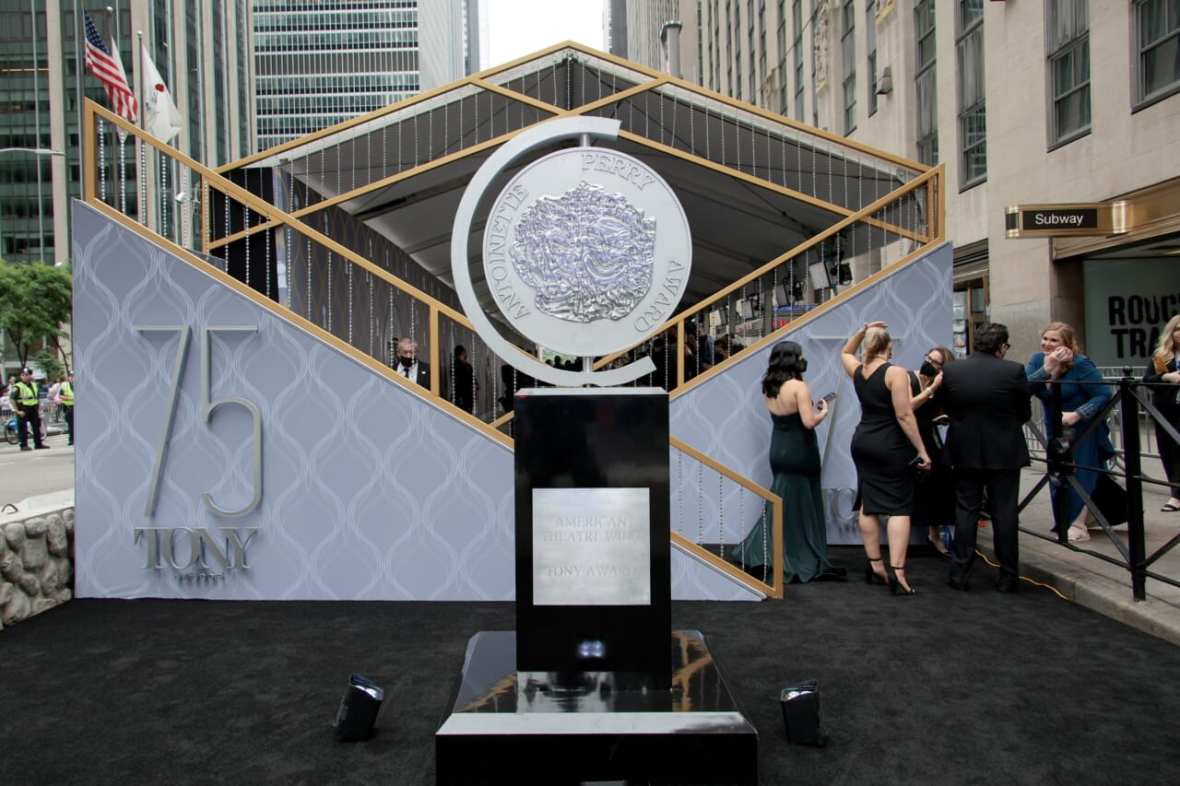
{"points": [[1094, 583], [37, 472]]}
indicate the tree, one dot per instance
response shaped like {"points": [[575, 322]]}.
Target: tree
{"points": [[35, 302], [47, 359]]}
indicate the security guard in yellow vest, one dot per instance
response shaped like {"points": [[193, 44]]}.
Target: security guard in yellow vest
{"points": [[65, 397], [28, 409]]}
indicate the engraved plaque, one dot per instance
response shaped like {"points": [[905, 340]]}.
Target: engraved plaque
{"points": [[591, 547]]}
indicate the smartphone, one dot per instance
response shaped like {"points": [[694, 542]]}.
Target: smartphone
{"points": [[828, 399]]}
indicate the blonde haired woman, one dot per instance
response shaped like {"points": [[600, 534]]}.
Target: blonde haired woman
{"points": [[1164, 371], [1061, 362], [886, 449]]}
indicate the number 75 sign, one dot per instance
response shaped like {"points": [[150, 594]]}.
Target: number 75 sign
{"points": [[207, 408]]}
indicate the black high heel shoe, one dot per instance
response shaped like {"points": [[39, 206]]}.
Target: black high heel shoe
{"points": [[872, 576], [895, 585]]}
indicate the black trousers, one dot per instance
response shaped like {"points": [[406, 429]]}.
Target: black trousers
{"points": [[30, 420], [69, 415], [1003, 491], [1169, 455]]}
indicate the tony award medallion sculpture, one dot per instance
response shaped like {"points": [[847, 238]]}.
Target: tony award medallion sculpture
{"points": [[586, 252]]}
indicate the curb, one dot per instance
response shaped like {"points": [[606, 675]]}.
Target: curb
{"points": [[1100, 594]]}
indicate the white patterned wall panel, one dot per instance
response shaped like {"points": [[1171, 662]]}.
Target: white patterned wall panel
{"points": [[726, 419], [693, 579], [369, 492]]}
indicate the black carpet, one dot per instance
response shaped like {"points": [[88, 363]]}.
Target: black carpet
{"points": [[940, 688]]}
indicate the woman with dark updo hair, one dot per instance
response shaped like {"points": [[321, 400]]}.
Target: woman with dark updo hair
{"points": [[794, 460]]}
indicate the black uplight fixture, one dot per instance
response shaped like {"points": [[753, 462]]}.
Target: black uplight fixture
{"points": [[800, 705], [358, 709]]}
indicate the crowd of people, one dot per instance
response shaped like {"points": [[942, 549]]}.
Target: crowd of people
{"points": [[935, 447]]}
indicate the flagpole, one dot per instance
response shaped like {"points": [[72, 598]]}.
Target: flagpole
{"points": [[146, 177], [139, 76], [79, 34]]}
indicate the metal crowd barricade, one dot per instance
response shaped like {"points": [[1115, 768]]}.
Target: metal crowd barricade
{"points": [[1057, 450]]}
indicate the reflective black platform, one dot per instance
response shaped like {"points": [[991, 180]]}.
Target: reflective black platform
{"points": [[510, 727]]}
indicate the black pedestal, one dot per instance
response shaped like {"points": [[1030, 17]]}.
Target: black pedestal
{"points": [[593, 560], [510, 727], [593, 685]]}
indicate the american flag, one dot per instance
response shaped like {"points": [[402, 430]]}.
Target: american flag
{"points": [[108, 68]]}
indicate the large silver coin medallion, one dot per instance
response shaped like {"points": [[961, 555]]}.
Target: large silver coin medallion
{"points": [[587, 251]]}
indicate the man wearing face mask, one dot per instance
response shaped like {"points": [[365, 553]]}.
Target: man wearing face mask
{"points": [[408, 364]]}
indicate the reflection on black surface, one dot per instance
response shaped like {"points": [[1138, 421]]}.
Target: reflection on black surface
{"points": [[491, 684]]}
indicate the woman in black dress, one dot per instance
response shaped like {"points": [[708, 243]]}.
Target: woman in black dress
{"points": [[934, 497], [886, 450]]}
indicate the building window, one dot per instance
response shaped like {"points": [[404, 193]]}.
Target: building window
{"points": [[797, 57], [925, 82], [750, 51], [972, 117], [783, 94], [1157, 26], [814, 86], [762, 43], [700, 47], [848, 51], [871, 46], [1068, 33]]}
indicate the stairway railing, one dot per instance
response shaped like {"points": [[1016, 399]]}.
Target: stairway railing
{"points": [[184, 206]]}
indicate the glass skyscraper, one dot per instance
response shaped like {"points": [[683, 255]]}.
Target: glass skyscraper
{"points": [[320, 62], [42, 85]]}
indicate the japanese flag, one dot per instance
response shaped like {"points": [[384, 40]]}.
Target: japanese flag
{"points": [[161, 118]]}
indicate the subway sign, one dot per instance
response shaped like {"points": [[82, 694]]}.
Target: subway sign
{"points": [[1064, 220]]}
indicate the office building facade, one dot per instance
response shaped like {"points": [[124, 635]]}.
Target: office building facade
{"points": [[321, 62], [201, 49], [1047, 102]]}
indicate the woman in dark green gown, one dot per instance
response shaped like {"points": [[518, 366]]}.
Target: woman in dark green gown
{"points": [[794, 460]]}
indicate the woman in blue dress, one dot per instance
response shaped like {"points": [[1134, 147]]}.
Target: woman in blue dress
{"points": [[1061, 362]]}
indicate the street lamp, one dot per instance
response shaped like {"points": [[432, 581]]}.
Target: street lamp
{"points": [[36, 151]]}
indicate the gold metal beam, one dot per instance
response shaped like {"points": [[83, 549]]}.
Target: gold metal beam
{"points": [[376, 185], [479, 147], [604, 56], [811, 315], [290, 317], [386, 110], [860, 215], [229, 189], [704, 92], [678, 320], [701, 161], [776, 589], [729, 569]]}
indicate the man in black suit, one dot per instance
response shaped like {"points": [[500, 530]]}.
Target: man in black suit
{"points": [[987, 400], [408, 364]]}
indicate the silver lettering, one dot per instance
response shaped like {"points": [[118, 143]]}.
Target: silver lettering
{"points": [[237, 547], [152, 536], [209, 548], [194, 547]]}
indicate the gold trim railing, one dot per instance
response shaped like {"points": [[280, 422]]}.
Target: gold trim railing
{"points": [[618, 98], [681, 378], [638, 69], [96, 119], [772, 588], [194, 247]]}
